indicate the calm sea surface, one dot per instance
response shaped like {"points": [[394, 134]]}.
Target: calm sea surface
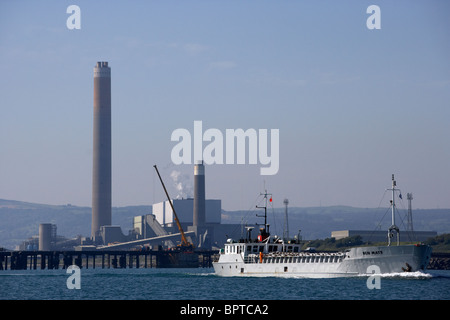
{"points": [[202, 284]]}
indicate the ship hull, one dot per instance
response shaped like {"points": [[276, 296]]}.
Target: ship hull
{"points": [[354, 262]]}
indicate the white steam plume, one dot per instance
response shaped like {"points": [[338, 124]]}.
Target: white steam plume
{"points": [[182, 185]]}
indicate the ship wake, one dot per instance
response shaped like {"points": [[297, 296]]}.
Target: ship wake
{"points": [[403, 275]]}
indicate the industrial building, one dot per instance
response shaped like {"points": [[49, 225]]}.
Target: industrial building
{"points": [[185, 210], [48, 239], [200, 220], [381, 236], [162, 222]]}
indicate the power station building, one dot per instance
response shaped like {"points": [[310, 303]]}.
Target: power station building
{"points": [[162, 222], [185, 211], [199, 215]]}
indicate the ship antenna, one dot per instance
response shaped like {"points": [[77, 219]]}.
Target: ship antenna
{"points": [[393, 227], [266, 226], [286, 223]]}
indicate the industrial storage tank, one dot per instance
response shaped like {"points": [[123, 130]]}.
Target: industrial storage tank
{"points": [[45, 236]]}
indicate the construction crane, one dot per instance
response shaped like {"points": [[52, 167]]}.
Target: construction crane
{"points": [[185, 244]]}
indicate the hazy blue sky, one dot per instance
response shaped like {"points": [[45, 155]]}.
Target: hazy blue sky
{"points": [[353, 105]]}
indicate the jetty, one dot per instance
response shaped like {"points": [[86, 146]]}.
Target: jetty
{"points": [[32, 260]]}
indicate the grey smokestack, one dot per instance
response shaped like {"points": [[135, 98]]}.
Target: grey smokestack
{"points": [[199, 195], [101, 170]]}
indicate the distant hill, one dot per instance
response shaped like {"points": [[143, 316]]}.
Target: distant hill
{"points": [[20, 220]]}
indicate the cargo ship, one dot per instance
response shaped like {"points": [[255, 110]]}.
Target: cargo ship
{"points": [[272, 256]]}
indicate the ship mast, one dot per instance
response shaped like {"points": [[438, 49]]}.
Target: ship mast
{"points": [[286, 223], [265, 233], [393, 227]]}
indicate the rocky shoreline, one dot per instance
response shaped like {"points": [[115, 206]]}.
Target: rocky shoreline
{"points": [[439, 261]]}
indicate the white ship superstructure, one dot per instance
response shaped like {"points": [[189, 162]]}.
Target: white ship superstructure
{"points": [[271, 256]]}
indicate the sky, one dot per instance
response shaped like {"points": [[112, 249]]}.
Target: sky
{"points": [[353, 105]]}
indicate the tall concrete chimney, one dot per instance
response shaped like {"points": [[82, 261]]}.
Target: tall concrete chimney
{"points": [[199, 195], [101, 169]]}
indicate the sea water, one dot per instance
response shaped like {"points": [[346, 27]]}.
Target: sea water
{"points": [[203, 284]]}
